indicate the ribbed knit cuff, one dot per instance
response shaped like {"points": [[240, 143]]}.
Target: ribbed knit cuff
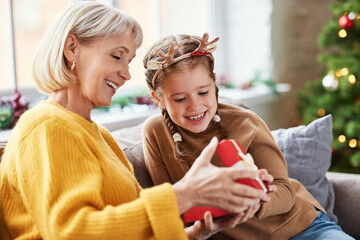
{"points": [[161, 206]]}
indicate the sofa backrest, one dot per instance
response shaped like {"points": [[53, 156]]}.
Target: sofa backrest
{"points": [[130, 141]]}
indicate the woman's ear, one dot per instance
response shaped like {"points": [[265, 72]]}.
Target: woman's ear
{"points": [[156, 98], [71, 47]]}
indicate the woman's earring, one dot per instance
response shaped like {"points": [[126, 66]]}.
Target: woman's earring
{"points": [[216, 118], [177, 137], [72, 65]]}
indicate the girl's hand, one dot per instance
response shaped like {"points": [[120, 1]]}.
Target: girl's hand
{"points": [[266, 177], [205, 229]]}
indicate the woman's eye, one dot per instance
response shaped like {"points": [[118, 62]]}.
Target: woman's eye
{"points": [[116, 57], [203, 93], [180, 99]]}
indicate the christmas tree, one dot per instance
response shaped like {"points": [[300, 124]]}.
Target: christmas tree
{"points": [[338, 92]]}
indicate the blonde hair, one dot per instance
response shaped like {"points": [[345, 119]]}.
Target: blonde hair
{"points": [[88, 21]]}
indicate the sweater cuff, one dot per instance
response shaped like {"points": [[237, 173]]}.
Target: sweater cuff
{"points": [[161, 207]]}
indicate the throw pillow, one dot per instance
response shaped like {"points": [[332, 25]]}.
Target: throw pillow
{"points": [[307, 150]]}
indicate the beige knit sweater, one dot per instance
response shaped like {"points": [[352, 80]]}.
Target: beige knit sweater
{"points": [[290, 210]]}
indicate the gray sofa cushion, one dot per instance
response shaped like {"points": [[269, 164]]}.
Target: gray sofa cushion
{"points": [[130, 141], [307, 150]]}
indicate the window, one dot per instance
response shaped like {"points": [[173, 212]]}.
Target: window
{"points": [[163, 17], [30, 21], [6, 81], [243, 28]]}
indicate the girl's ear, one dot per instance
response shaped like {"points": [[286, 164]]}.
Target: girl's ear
{"points": [[71, 47], [156, 98]]}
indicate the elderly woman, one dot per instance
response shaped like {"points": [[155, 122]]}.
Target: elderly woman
{"points": [[64, 177]]}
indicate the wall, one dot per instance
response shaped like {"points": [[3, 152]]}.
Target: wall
{"points": [[295, 27]]}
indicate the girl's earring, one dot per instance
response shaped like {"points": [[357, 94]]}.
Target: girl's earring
{"points": [[72, 65], [177, 137], [216, 118]]}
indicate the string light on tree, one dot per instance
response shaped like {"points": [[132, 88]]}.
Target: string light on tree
{"points": [[342, 138], [352, 79], [353, 143], [342, 33], [321, 112], [338, 73], [344, 71]]}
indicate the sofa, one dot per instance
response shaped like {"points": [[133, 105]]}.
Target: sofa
{"points": [[339, 193]]}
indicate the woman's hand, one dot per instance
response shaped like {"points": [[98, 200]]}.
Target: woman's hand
{"points": [[209, 226], [207, 185]]}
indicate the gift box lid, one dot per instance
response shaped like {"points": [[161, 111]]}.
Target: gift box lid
{"points": [[230, 152]]}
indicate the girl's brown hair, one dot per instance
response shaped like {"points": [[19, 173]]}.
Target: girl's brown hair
{"points": [[163, 45]]}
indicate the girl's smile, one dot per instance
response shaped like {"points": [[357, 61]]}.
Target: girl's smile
{"points": [[190, 99], [196, 119]]}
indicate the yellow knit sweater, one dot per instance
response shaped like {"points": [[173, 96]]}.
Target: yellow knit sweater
{"points": [[62, 177]]}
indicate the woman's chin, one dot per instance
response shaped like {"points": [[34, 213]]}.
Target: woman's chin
{"points": [[104, 104]]}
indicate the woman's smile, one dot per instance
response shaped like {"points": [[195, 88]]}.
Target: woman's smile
{"points": [[112, 84]]}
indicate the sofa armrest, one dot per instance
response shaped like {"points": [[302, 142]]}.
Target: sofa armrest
{"points": [[347, 198]]}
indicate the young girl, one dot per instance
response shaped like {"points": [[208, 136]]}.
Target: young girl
{"points": [[179, 73]]}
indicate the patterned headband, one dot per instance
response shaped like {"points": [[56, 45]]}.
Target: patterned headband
{"points": [[205, 48]]}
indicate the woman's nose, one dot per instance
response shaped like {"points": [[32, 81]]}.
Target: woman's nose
{"points": [[124, 72]]}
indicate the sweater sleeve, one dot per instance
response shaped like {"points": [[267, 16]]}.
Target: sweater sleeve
{"points": [[60, 181], [267, 155]]}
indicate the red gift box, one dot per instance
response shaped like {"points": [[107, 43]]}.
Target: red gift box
{"points": [[232, 155], [197, 213]]}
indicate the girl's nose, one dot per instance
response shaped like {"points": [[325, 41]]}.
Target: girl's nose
{"points": [[194, 103]]}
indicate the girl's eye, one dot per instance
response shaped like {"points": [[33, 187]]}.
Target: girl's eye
{"points": [[203, 93], [180, 99]]}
